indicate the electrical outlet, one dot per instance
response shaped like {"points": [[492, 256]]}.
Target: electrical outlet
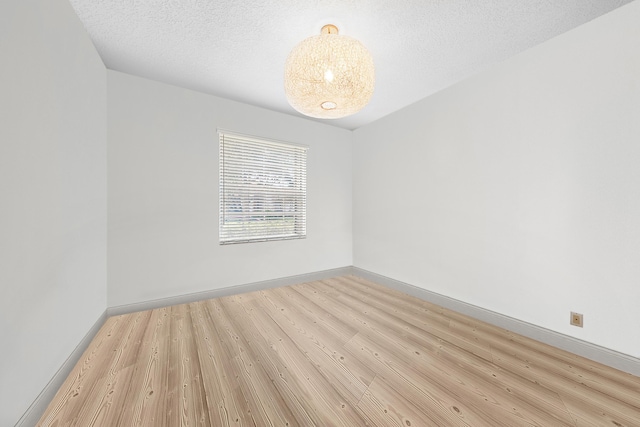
{"points": [[576, 319]]}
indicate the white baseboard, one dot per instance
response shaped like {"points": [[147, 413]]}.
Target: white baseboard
{"points": [[232, 290], [573, 345], [37, 408]]}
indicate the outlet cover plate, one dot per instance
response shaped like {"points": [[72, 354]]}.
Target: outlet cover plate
{"points": [[576, 319]]}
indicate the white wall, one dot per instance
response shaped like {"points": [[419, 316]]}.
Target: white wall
{"points": [[163, 193], [518, 190], [52, 195]]}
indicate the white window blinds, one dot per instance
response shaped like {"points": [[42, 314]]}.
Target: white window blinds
{"points": [[263, 189]]}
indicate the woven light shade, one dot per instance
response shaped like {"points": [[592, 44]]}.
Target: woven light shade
{"points": [[329, 76]]}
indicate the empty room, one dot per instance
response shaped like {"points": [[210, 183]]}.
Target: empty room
{"points": [[328, 213]]}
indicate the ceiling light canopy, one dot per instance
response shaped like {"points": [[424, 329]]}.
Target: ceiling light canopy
{"points": [[329, 76]]}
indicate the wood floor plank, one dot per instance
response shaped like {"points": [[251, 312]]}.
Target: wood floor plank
{"points": [[448, 409], [437, 396], [385, 406], [623, 390], [193, 402], [379, 330], [580, 399], [447, 356], [341, 351], [145, 399], [622, 386], [398, 302], [291, 366], [86, 375], [226, 404], [115, 379], [349, 376], [386, 314], [334, 325], [248, 367]]}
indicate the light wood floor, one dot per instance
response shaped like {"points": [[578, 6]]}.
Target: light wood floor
{"points": [[343, 352]]}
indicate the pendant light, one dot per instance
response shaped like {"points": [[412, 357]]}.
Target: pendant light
{"points": [[329, 76]]}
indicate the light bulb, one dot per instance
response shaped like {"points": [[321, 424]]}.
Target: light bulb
{"points": [[328, 76]]}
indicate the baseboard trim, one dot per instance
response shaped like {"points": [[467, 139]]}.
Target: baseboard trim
{"points": [[37, 408], [232, 290], [573, 345]]}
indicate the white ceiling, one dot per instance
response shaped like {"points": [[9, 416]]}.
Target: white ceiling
{"points": [[237, 49]]}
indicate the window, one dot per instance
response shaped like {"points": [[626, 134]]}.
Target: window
{"points": [[263, 189]]}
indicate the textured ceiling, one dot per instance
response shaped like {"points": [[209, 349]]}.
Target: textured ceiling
{"points": [[237, 49]]}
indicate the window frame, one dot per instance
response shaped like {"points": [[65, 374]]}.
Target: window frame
{"points": [[256, 174]]}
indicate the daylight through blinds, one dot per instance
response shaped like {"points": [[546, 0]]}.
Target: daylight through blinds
{"points": [[263, 189]]}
